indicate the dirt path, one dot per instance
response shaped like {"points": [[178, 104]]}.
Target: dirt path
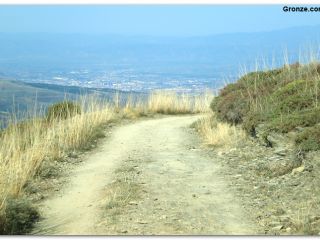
{"points": [[150, 177]]}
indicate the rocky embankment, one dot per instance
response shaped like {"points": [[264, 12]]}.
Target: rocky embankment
{"points": [[278, 184]]}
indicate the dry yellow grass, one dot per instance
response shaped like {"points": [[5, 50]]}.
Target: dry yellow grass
{"points": [[219, 134], [167, 102], [23, 147]]}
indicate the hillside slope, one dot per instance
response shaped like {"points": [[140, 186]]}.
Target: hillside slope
{"points": [[276, 101], [19, 97], [277, 168]]}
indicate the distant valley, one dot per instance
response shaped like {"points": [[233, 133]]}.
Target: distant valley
{"points": [[45, 68], [141, 63]]}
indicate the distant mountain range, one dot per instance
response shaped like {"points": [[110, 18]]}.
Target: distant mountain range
{"points": [[166, 54]]}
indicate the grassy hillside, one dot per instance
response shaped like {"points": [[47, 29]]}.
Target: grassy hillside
{"points": [[281, 100], [17, 96]]}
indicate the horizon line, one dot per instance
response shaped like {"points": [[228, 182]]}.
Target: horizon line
{"points": [[162, 36]]}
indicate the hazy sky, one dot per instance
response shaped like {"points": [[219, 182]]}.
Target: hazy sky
{"points": [[163, 20]]}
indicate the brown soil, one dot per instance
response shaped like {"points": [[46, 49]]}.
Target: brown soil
{"points": [[150, 177]]}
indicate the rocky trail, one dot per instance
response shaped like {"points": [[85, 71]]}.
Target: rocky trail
{"points": [[149, 177]]}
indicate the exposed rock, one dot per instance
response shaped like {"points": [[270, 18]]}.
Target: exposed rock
{"points": [[73, 155], [275, 184], [277, 228], [299, 129], [276, 139], [142, 222], [294, 183], [273, 224], [298, 170], [281, 151], [283, 166]]}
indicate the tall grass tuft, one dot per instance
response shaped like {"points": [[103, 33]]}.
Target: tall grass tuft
{"points": [[25, 145], [168, 102], [219, 134], [164, 102]]}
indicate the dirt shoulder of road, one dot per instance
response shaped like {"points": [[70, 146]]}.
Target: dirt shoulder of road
{"points": [[283, 201]]}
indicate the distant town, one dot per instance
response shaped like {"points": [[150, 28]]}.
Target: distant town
{"points": [[122, 79]]}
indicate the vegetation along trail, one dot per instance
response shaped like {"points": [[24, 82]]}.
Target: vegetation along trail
{"points": [[149, 177]]}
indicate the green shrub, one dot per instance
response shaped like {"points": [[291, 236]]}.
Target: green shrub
{"points": [[237, 99], [63, 110], [289, 122], [282, 99], [251, 121], [260, 77], [295, 96], [230, 108], [309, 139], [19, 217], [293, 87]]}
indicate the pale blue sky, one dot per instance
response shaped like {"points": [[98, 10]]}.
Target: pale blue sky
{"points": [[160, 20]]}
